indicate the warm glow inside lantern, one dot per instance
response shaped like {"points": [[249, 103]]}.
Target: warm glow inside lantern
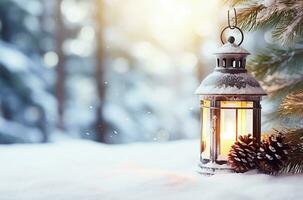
{"points": [[230, 105]]}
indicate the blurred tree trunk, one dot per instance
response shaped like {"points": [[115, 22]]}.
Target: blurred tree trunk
{"points": [[101, 125], [42, 125], [60, 91]]}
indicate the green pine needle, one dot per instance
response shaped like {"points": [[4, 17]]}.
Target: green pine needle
{"points": [[272, 65], [284, 17]]}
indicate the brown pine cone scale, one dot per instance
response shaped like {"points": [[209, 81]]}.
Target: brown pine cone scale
{"points": [[272, 154], [242, 155]]}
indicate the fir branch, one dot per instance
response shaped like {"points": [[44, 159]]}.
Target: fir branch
{"points": [[294, 137], [247, 17], [268, 62], [253, 15], [290, 30], [267, 65], [285, 17], [292, 104], [282, 86]]}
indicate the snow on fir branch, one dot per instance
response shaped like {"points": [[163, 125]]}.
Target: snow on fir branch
{"points": [[278, 68], [281, 86], [285, 17]]}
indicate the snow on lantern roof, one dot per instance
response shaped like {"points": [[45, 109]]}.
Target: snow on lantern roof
{"points": [[231, 48], [230, 76], [222, 83]]}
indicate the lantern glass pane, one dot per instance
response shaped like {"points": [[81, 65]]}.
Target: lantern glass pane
{"points": [[245, 118], [234, 121], [206, 130], [227, 128]]}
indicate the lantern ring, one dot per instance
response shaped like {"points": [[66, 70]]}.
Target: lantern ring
{"points": [[233, 27]]}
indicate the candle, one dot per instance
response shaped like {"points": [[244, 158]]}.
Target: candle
{"points": [[228, 134]]}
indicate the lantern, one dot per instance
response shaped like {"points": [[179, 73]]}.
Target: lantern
{"points": [[230, 105]]}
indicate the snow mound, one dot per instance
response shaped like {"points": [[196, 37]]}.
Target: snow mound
{"points": [[73, 170]]}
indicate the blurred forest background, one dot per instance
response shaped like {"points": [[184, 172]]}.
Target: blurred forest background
{"points": [[114, 71], [122, 71]]}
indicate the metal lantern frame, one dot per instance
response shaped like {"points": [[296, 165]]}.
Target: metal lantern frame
{"points": [[229, 83], [215, 112]]}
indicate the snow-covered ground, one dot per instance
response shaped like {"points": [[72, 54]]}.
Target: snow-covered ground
{"points": [[83, 170]]}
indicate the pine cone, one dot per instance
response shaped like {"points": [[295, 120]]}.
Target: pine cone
{"points": [[272, 154], [243, 154]]}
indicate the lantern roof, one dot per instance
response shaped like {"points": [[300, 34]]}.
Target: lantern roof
{"points": [[222, 83], [230, 76]]}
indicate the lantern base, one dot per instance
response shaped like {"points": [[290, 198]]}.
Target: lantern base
{"points": [[210, 169]]}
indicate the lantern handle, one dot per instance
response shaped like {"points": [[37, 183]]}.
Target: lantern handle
{"points": [[236, 21], [234, 26]]}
